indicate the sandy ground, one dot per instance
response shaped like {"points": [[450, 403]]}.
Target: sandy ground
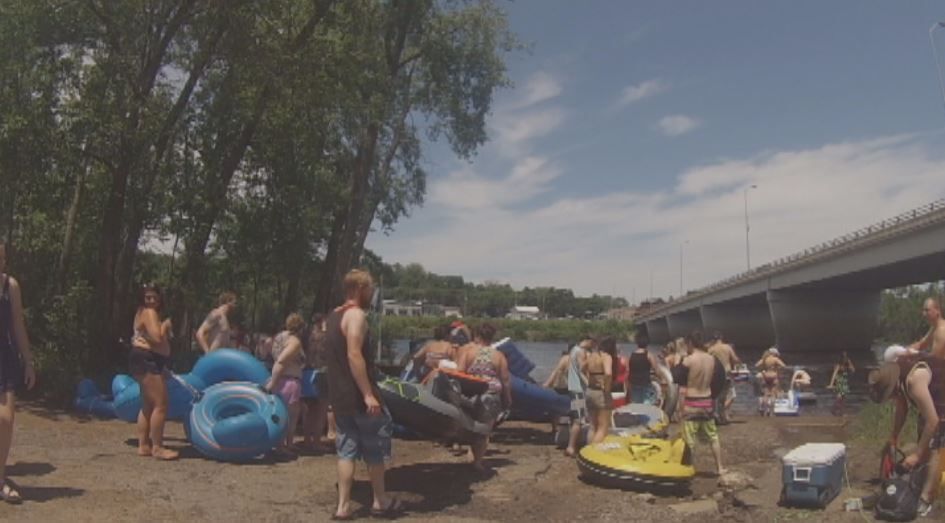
{"points": [[75, 469]]}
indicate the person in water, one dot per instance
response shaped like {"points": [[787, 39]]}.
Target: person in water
{"points": [[934, 339], [148, 365], [216, 330], [363, 422], [840, 383], [577, 387], [919, 381], [488, 363], [725, 353], [598, 371], [698, 408], [16, 368], [770, 365], [642, 365], [286, 381]]}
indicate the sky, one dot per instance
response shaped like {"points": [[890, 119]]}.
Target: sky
{"points": [[620, 160]]}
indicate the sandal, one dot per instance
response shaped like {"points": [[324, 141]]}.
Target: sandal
{"points": [[9, 492], [393, 510], [342, 517]]}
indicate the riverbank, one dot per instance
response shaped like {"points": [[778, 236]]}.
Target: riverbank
{"points": [[79, 470]]}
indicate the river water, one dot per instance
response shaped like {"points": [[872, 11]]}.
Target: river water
{"points": [[545, 356]]}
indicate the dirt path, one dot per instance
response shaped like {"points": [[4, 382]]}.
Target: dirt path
{"points": [[73, 469]]}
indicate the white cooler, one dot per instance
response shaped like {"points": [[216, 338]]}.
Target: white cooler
{"points": [[812, 474]]}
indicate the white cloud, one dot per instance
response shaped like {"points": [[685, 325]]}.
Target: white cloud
{"points": [[611, 242], [677, 124], [465, 190], [635, 93], [540, 87], [514, 128]]}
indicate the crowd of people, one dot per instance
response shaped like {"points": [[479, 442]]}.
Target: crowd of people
{"points": [[351, 410]]}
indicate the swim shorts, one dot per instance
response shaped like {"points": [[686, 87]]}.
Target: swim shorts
{"points": [[707, 429], [364, 437], [642, 394], [143, 361], [289, 389], [578, 410]]}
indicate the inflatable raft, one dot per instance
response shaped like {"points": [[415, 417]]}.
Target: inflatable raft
{"points": [[532, 402], [637, 463], [416, 409], [236, 421]]}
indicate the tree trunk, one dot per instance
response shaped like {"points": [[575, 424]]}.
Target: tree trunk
{"points": [[65, 257], [324, 300]]}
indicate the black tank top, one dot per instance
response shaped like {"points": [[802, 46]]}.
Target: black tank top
{"points": [[345, 396], [640, 369]]}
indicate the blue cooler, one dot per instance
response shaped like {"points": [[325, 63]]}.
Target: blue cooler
{"points": [[812, 474]]}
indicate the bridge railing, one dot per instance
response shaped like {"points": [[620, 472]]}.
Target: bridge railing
{"points": [[866, 233]]}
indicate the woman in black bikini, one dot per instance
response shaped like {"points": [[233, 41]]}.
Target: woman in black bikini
{"points": [[148, 363], [16, 368], [769, 364]]}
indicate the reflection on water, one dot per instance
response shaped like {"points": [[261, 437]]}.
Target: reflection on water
{"points": [[545, 356]]}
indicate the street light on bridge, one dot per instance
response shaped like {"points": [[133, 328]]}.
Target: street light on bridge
{"points": [[938, 65], [681, 267], [747, 228]]}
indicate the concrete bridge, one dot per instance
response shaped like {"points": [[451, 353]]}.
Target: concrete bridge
{"points": [[822, 299]]}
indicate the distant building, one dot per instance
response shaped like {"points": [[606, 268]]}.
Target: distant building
{"points": [[399, 308], [524, 312], [621, 313]]}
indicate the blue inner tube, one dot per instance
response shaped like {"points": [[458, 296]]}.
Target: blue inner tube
{"points": [[237, 422], [230, 365], [88, 400], [532, 402], [181, 395]]}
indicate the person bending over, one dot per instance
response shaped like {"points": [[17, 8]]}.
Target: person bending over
{"points": [[918, 381]]}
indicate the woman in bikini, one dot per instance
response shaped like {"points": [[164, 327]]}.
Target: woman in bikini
{"points": [[16, 368], [148, 364], [769, 364], [598, 368]]}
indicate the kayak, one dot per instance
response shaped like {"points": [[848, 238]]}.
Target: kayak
{"points": [[532, 402], [637, 463]]}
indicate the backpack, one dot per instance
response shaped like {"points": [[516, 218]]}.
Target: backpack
{"points": [[719, 379], [899, 500]]}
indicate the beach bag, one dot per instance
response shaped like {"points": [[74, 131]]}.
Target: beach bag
{"points": [[899, 500], [718, 379]]}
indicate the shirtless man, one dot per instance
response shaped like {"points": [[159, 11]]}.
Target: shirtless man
{"points": [[215, 332], [934, 340], [438, 349], [697, 406], [726, 354]]}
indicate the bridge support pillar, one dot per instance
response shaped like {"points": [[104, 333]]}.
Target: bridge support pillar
{"points": [[683, 323], [658, 331], [746, 325], [824, 319]]}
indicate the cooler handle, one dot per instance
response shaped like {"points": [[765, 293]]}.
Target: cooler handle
{"points": [[802, 474]]}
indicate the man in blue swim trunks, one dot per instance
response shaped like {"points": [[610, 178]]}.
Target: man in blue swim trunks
{"points": [[363, 422]]}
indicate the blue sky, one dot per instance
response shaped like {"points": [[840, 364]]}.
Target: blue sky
{"points": [[634, 128]]}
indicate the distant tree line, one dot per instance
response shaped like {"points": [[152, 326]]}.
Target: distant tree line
{"points": [[412, 282], [900, 314]]}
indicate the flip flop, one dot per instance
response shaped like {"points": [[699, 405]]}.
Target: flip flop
{"points": [[10, 492], [342, 517], [392, 511]]}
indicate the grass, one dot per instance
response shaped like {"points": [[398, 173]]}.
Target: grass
{"points": [[873, 425]]}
